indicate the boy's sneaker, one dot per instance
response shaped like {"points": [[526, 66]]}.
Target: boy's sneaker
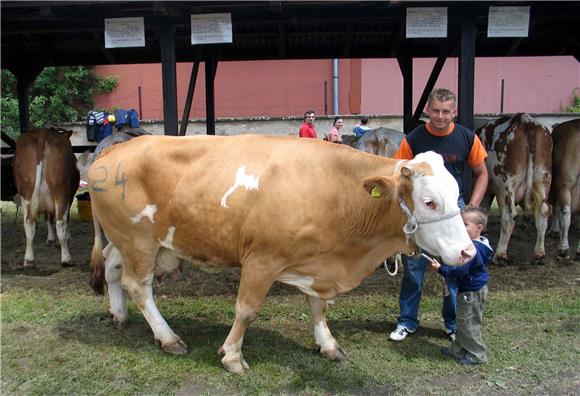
{"points": [[451, 334], [400, 333]]}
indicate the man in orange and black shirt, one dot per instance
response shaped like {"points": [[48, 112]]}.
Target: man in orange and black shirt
{"points": [[459, 147]]}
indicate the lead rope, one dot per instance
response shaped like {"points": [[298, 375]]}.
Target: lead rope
{"points": [[398, 262]]}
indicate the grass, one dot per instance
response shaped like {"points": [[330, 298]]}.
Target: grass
{"points": [[61, 342]]}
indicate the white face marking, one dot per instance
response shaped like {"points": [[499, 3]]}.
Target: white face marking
{"points": [[168, 242], [304, 283], [149, 211], [250, 182]]}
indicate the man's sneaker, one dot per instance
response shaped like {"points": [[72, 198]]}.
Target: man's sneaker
{"points": [[400, 333], [451, 334]]}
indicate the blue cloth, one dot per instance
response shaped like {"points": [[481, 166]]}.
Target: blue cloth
{"points": [[412, 287], [473, 275], [360, 130]]}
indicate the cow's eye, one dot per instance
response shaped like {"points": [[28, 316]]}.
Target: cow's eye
{"points": [[430, 204]]}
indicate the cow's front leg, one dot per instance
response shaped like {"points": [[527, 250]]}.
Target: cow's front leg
{"points": [[507, 227], [29, 231], [254, 285], [541, 220], [113, 272], [140, 289], [62, 233], [325, 342]]}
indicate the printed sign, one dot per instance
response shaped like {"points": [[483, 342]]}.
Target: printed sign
{"points": [[211, 28], [124, 32], [426, 22], [508, 21]]}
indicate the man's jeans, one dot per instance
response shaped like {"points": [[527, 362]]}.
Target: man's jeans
{"points": [[412, 286], [410, 296]]}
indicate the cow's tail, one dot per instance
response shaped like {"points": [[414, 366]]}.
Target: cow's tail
{"points": [[529, 191], [97, 258]]}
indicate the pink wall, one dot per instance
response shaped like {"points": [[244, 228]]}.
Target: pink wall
{"points": [[287, 88]]}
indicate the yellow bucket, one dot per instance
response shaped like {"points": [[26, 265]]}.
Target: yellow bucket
{"points": [[84, 209]]}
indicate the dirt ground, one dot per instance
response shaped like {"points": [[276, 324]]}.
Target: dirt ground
{"points": [[49, 274]]}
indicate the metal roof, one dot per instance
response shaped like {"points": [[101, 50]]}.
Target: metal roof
{"points": [[60, 33]]}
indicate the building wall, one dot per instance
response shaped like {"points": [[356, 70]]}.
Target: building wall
{"points": [[367, 86]]}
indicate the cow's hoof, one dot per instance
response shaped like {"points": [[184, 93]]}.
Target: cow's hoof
{"points": [[334, 355], [539, 260], [66, 264], [51, 243], [28, 264], [502, 261], [118, 321], [233, 364], [176, 347], [554, 234], [563, 254]]}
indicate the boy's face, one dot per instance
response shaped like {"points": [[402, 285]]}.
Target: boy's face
{"points": [[473, 230]]}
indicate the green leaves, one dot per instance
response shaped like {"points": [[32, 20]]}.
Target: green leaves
{"points": [[59, 94]]}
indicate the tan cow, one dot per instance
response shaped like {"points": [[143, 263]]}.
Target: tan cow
{"points": [[565, 189], [381, 141], [519, 164], [47, 180], [262, 203]]}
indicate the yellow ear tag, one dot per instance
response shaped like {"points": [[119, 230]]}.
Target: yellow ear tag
{"points": [[375, 192]]}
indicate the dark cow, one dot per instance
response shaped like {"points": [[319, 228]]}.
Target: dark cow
{"points": [[519, 167], [47, 180], [565, 188], [381, 141], [262, 203]]}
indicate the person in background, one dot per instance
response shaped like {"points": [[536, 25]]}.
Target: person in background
{"points": [[460, 149], [307, 129], [362, 127], [468, 347], [334, 134]]}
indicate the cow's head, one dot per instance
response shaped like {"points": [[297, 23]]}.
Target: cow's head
{"points": [[434, 219]]}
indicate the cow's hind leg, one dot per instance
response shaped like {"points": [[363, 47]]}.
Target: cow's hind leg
{"points": [[137, 280], [507, 210], [113, 272], [29, 231], [62, 233], [325, 342], [254, 285]]}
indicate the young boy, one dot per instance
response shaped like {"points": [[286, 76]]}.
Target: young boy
{"points": [[472, 278]]}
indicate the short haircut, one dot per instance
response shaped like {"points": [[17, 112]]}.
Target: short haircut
{"points": [[477, 215], [364, 120], [309, 112], [442, 95], [336, 119]]}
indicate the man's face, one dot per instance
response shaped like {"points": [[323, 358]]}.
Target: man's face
{"points": [[310, 118], [441, 114]]}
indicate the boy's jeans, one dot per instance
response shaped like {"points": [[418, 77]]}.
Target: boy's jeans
{"points": [[410, 296]]}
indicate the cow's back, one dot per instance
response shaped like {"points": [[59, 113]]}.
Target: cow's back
{"points": [[381, 141], [54, 151], [220, 193], [566, 166], [520, 155]]}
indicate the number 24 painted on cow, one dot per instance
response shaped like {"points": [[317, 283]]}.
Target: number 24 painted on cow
{"points": [[120, 180]]}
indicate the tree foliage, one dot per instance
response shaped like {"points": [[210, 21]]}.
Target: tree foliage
{"points": [[575, 107], [59, 94]]}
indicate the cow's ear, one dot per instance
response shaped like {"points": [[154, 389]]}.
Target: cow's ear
{"points": [[379, 186], [68, 133], [407, 171]]}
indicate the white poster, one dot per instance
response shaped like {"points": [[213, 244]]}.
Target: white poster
{"points": [[508, 21], [124, 32], [426, 22], [211, 28]]}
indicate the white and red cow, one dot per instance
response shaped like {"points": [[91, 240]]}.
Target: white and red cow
{"points": [[565, 188], [262, 203], [47, 180], [519, 167]]}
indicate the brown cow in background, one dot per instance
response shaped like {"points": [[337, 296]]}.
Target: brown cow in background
{"points": [[565, 189], [519, 166], [47, 180]]}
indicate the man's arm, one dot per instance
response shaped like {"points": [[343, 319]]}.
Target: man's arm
{"points": [[480, 178]]}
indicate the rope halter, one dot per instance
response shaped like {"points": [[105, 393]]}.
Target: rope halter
{"points": [[413, 222]]}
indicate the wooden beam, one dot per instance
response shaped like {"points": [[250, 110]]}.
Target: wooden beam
{"points": [[189, 99], [166, 33]]}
